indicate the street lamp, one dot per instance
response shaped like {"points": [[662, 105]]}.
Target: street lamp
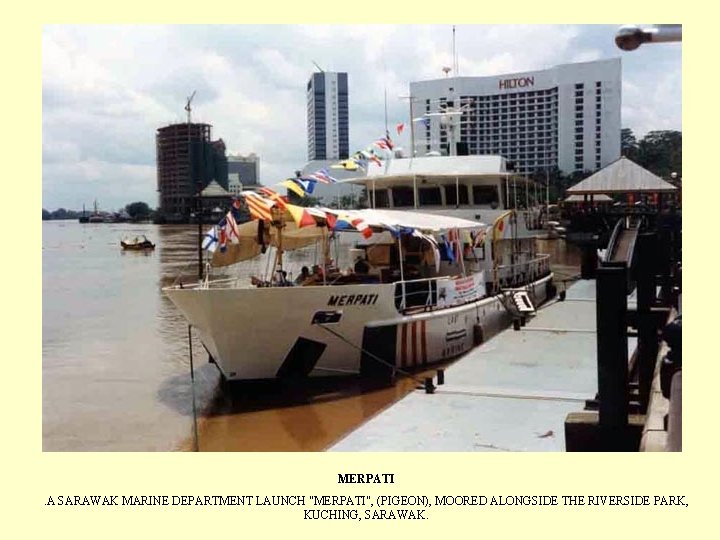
{"points": [[630, 37]]}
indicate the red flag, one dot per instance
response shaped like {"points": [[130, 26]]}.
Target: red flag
{"points": [[400, 128], [331, 220]]}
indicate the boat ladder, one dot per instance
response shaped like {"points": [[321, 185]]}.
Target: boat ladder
{"points": [[518, 304]]}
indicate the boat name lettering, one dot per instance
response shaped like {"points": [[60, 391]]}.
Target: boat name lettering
{"points": [[520, 82], [353, 300], [366, 478]]}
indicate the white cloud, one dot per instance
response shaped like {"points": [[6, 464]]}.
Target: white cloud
{"points": [[106, 89]]}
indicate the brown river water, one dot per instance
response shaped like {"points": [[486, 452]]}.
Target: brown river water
{"points": [[116, 365]]}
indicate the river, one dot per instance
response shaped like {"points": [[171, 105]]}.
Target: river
{"points": [[116, 365]]}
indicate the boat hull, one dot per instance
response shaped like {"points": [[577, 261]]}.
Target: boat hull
{"points": [[260, 333]]}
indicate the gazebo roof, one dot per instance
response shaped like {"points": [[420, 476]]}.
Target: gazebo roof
{"points": [[213, 189], [597, 197], [622, 176]]}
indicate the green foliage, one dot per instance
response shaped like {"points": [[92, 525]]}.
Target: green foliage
{"points": [[138, 210], [660, 152]]}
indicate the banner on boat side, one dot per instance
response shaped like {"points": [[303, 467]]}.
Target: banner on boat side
{"points": [[461, 290]]}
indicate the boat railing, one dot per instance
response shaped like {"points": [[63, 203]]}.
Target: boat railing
{"points": [[417, 293], [510, 275]]}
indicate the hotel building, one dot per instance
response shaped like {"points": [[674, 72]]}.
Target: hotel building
{"points": [[567, 116]]}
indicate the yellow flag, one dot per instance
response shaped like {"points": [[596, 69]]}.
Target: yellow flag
{"points": [[292, 186]]}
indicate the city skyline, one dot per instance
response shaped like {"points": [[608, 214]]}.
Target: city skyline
{"points": [[102, 104]]}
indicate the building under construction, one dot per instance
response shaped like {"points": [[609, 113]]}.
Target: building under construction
{"points": [[187, 161]]}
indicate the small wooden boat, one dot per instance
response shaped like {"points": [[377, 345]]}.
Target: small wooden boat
{"points": [[139, 243]]}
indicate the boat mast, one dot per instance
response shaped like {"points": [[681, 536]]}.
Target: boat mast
{"points": [[278, 224]]}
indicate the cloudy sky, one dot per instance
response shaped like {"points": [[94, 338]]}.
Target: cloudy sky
{"points": [[106, 89]]}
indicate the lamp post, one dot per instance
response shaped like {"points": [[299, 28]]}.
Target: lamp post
{"points": [[629, 38]]}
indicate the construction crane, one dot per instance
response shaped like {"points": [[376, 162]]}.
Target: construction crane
{"points": [[187, 107]]}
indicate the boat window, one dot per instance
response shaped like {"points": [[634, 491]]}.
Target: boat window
{"points": [[450, 194], [485, 194], [430, 196], [403, 196], [381, 198]]}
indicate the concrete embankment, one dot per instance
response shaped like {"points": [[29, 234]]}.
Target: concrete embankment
{"points": [[512, 393]]}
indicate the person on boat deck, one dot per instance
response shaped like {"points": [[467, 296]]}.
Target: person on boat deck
{"points": [[303, 276], [282, 279], [316, 276]]}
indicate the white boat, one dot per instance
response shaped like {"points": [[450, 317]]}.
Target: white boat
{"points": [[429, 288]]}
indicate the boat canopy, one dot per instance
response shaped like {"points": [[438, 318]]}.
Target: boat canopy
{"points": [[397, 219], [247, 239]]}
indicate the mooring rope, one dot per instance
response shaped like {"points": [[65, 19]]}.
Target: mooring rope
{"points": [[371, 355]]}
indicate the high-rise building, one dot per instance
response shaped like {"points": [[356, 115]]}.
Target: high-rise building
{"points": [[327, 116], [246, 167], [567, 116], [187, 161]]}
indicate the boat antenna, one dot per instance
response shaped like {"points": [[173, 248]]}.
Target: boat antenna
{"points": [[187, 107], [454, 54], [315, 64], [448, 69], [387, 133]]}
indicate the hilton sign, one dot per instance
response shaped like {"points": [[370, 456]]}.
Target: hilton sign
{"points": [[521, 82]]}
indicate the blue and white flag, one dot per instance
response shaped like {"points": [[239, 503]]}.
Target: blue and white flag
{"points": [[210, 240]]}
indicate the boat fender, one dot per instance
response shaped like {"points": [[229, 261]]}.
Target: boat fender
{"points": [[551, 290], [478, 334], [561, 296], [516, 324]]}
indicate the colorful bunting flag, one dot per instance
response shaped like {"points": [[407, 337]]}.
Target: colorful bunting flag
{"points": [[323, 176], [301, 216], [347, 221], [210, 240], [447, 249], [454, 239], [347, 164], [273, 196], [258, 206], [400, 128], [231, 230], [294, 186]]}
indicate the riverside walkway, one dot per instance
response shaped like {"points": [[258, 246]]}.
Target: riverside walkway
{"points": [[512, 393]]}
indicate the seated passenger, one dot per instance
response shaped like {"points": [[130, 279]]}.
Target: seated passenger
{"points": [[303, 276], [316, 277]]}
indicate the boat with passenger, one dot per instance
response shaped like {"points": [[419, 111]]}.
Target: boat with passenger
{"points": [[409, 289], [138, 243]]}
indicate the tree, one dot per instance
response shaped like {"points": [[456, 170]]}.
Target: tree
{"points": [[138, 210], [660, 152], [628, 144], [46, 215]]}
